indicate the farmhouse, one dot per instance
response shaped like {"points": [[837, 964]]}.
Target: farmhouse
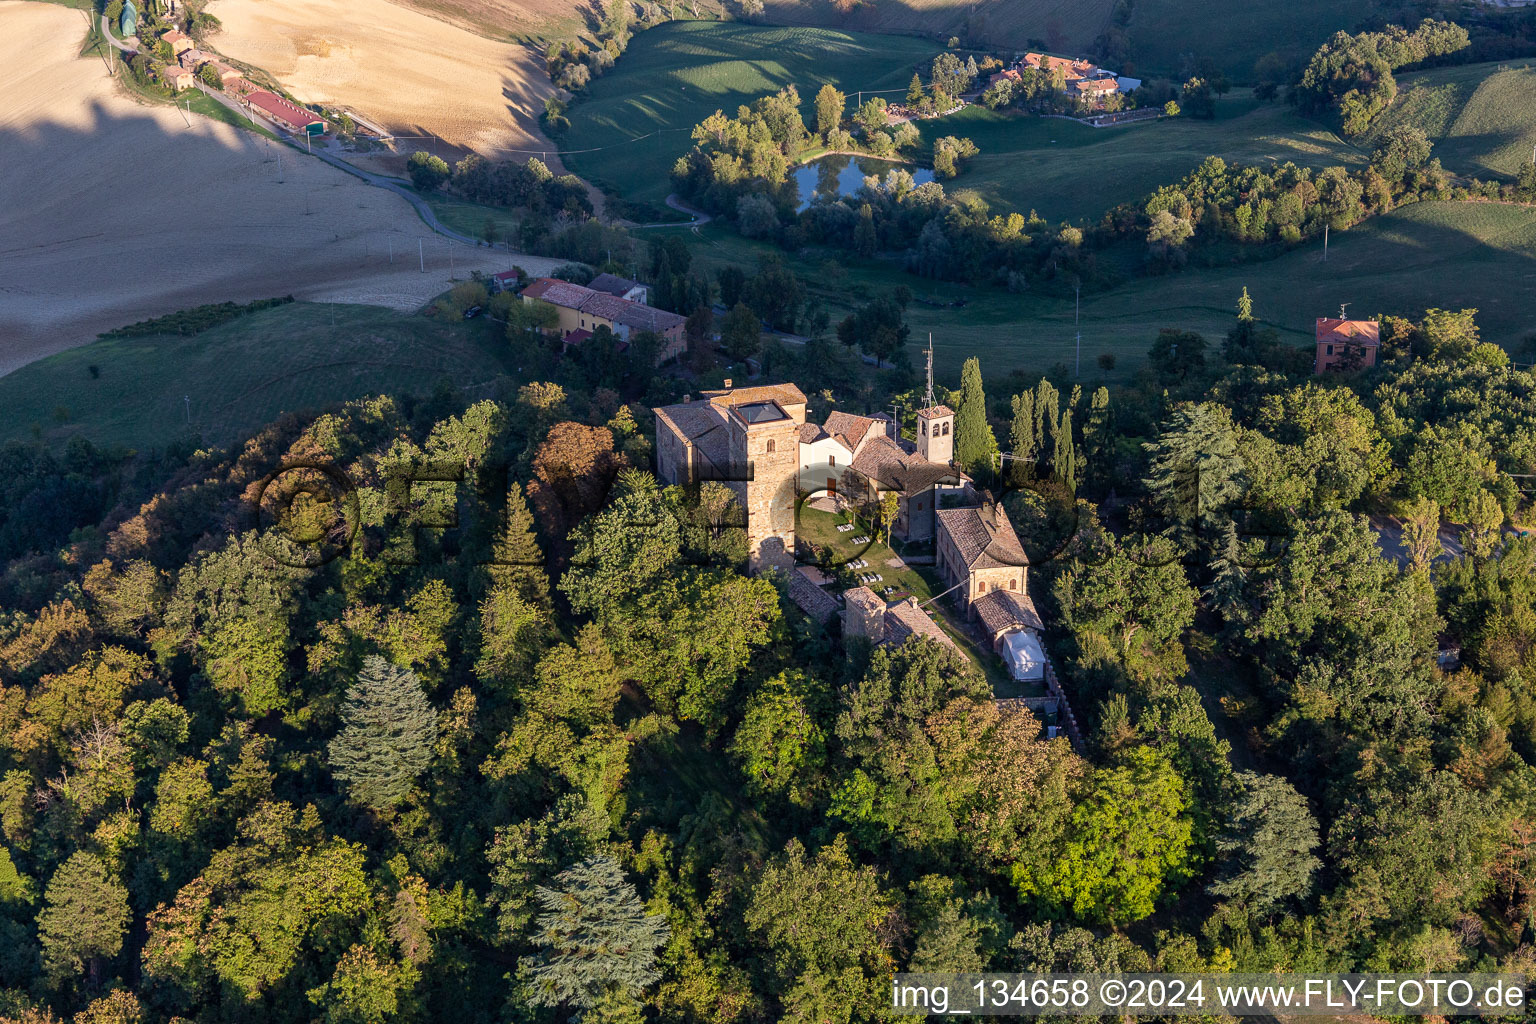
{"points": [[284, 114], [178, 41], [582, 308], [1346, 344], [177, 77], [1082, 78]]}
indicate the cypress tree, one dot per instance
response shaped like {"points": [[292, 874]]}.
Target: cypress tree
{"points": [[598, 942], [1047, 400], [1021, 435], [1064, 458], [387, 737], [975, 443]]}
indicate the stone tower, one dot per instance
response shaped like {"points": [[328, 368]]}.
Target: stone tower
{"points": [[765, 460], [935, 434]]}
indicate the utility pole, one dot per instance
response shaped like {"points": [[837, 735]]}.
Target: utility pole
{"points": [[421, 255], [1077, 325], [1325, 243]]}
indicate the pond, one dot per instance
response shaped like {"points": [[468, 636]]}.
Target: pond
{"points": [[843, 175]]}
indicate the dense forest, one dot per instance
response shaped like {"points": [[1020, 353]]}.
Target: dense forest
{"points": [[416, 710]]}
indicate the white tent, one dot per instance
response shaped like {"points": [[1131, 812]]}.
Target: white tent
{"points": [[1024, 655]]}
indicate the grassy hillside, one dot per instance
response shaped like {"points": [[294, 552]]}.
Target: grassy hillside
{"points": [[1060, 24], [637, 118], [242, 374], [1481, 117], [1235, 35], [1066, 170], [1428, 254]]}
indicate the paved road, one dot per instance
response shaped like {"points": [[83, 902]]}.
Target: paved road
{"points": [[699, 216], [107, 32]]}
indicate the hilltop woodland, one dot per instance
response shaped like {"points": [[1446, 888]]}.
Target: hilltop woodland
{"points": [[502, 731]]}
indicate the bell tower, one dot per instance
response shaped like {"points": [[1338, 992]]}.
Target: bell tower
{"points": [[935, 423]]}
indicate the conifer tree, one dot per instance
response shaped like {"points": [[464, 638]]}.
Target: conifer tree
{"points": [[84, 917], [518, 559], [598, 942], [1047, 402], [387, 737], [1064, 458], [915, 91], [1021, 435], [975, 443]]}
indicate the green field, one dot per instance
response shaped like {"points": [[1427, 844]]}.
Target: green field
{"points": [[1063, 25], [1068, 171], [1237, 34], [1428, 254], [1481, 117], [635, 121], [242, 374]]}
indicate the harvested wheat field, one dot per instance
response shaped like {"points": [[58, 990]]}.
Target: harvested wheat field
{"points": [[413, 73], [112, 211]]}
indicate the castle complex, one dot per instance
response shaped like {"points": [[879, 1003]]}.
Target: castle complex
{"points": [[758, 442]]}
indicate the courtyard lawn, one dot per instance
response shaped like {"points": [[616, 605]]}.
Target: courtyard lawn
{"points": [[633, 123], [919, 581], [1065, 170], [146, 392]]}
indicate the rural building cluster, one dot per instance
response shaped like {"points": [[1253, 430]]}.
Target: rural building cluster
{"points": [[1078, 76]]}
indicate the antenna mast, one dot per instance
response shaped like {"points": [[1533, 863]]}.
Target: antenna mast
{"points": [[928, 400], [1342, 307]]}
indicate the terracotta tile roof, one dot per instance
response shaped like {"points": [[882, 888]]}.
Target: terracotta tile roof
{"points": [[784, 394], [635, 315], [810, 433], [851, 430], [558, 293], [905, 619], [577, 337], [983, 536], [1001, 610], [895, 466], [612, 284], [1096, 85], [936, 410], [279, 109], [179, 40], [863, 598], [691, 419], [1366, 333], [1071, 69], [811, 599]]}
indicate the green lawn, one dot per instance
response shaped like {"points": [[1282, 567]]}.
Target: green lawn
{"points": [[1068, 171], [242, 374], [1481, 117], [1427, 254], [639, 115]]}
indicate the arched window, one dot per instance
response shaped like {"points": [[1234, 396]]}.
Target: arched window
{"points": [[981, 588], [946, 428], [1013, 584], [770, 447]]}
